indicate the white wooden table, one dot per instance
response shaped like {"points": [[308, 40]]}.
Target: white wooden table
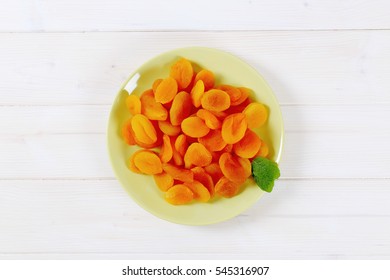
{"points": [[62, 62]]}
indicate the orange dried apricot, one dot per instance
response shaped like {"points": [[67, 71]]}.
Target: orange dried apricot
{"points": [[238, 108], [131, 163], [167, 128], [235, 168], [215, 156], [234, 93], [152, 109], [245, 93], [133, 103], [204, 178], [156, 84], [213, 141], [166, 90], [226, 188], [209, 118], [234, 127], [256, 115], [178, 173], [177, 158], [182, 72], [215, 100], [248, 146], [264, 150], [207, 77], [181, 108], [197, 155], [181, 144], [194, 127], [200, 192], [214, 170], [179, 194], [144, 130], [166, 151], [220, 115], [163, 181], [228, 148], [147, 162], [127, 133], [196, 93], [153, 145]]}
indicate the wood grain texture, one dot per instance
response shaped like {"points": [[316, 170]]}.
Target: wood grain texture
{"points": [[343, 67], [302, 219], [122, 15]]}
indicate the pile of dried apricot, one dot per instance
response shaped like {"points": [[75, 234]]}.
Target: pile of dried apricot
{"points": [[203, 130]]}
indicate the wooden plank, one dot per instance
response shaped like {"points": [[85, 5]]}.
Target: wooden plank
{"points": [[308, 67], [122, 15], [93, 119], [302, 219]]}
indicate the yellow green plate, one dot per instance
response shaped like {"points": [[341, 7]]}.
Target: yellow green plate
{"points": [[228, 69]]}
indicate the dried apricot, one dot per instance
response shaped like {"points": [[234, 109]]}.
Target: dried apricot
{"points": [[156, 84], [167, 128], [214, 170], [166, 90], [220, 115], [179, 194], [209, 118], [234, 93], [248, 146], [204, 178], [151, 109], [181, 144], [228, 148], [200, 192], [207, 77], [131, 163], [264, 150], [196, 93], [163, 181], [256, 115], [148, 162], [133, 103], [127, 133], [144, 130], [213, 141], [197, 155], [245, 93], [194, 127], [215, 100], [226, 188], [234, 127], [235, 168], [178, 173], [181, 108], [182, 72], [166, 151]]}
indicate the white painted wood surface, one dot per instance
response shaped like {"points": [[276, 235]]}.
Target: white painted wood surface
{"points": [[61, 64], [125, 15]]}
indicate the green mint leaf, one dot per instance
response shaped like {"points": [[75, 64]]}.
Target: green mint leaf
{"points": [[265, 172]]}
